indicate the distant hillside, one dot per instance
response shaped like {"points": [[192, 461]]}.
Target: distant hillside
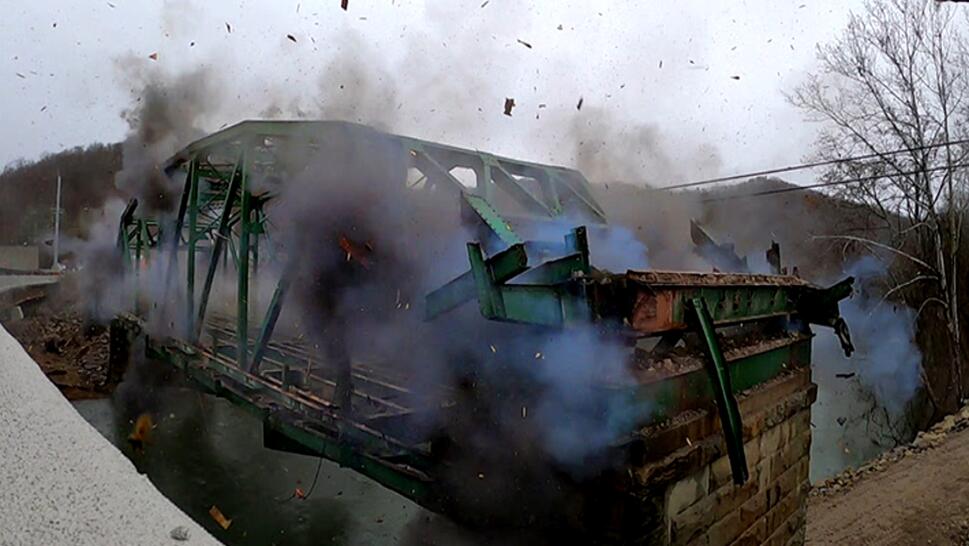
{"points": [[731, 214], [793, 219], [28, 189], [658, 218]]}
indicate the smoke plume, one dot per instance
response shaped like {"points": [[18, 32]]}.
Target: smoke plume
{"points": [[862, 406]]}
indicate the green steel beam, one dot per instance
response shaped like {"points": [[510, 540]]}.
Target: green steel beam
{"points": [[491, 218], [733, 428], [355, 448], [245, 218], [556, 182], [193, 201], [505, 265], [504, 180], [269, 321], [221, 236]]}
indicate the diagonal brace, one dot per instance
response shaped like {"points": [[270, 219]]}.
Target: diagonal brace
{"points": [[733, 428]]}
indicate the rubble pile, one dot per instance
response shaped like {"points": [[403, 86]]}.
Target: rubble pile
{"points": [[72, 352], [925, 440]]}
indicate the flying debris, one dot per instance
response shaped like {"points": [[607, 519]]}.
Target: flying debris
{"points": [[219, 517]]}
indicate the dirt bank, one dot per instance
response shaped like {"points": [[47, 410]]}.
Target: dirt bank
{"points": [[70, 349], [917, 494]]}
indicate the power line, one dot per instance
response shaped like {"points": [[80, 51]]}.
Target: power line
{"points": [[803, 166], [828, 184]]}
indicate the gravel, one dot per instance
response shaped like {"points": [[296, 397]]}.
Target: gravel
{"points": [[62, 482]]}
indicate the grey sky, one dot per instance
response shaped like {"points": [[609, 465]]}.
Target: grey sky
{"points": [[445, 60]]}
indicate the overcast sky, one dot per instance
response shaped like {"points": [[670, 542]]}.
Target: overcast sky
{"points": [[435, 69]]}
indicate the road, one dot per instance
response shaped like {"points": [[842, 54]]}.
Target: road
{"points": [[921, 499], [19, 281]]}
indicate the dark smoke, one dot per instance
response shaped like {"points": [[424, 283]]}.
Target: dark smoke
{"points": [[169, 111]]}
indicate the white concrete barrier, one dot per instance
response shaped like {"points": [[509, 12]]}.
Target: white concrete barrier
{"points": [[61, 482]]}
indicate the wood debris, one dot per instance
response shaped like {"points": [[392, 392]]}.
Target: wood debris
{"points": [[219, 517], [509, 104]]}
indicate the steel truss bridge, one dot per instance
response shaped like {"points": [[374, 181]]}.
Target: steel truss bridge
{"points": [[725, 332]]}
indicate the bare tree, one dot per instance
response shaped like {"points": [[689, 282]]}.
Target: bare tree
{"points": [[896, 80]]}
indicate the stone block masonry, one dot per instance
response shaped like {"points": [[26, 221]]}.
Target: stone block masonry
{"points": [[687, 476]]}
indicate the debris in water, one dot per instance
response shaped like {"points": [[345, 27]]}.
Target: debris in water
{"points": [[153, 56], [219, 517], [493, 348], [344, 4], [44, 108], [845, 375], [21, 76], [179, 533], [661, 64], [524, 43], [110, 4], [579, 106], [538, 356], [524, 412], [228, 27], [560, 27], [291, 37], [841, 421], [299, 493], [141, 432], [734, 77], [480, 476], [485, 3], [509, 104]]}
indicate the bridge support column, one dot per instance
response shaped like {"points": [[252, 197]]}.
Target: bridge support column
{"points": [[688, 482]]}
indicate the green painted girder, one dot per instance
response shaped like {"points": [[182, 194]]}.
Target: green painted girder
{"points": [[545, 305], [659, 300], [304, 427], [660, 399], [487, 280], [503, 266], [556, 183], [733, 428], [499, 226]]}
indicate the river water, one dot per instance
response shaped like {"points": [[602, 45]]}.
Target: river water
{"points": [[204, 451]]}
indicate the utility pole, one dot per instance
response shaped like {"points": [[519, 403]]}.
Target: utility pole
{"points": [[56, 266]]}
